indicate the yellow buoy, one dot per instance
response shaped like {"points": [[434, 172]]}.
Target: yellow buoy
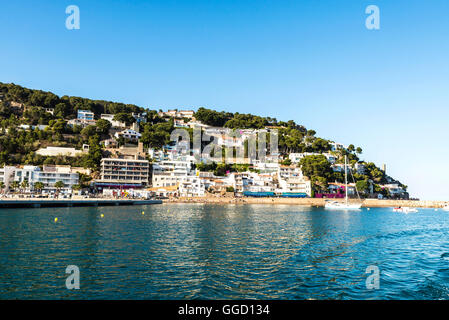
{"points": [[102, 215], [56, 219], [143, 212]]}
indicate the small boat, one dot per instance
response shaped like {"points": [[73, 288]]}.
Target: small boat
{"points": [[405, 210], [446, 207], [335, 205]]}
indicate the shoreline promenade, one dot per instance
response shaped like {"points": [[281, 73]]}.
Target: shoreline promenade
{"points": [[94, 202], [314, 202]]}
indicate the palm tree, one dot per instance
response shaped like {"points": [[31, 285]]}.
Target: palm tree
{"points": [[15, 185], [59, 185], [76, 187], [24, 184], [39, 186]]}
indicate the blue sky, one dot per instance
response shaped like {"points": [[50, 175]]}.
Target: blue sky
{"points": [[310, 61]]}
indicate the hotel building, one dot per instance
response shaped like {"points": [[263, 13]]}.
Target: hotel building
{"points": [[123, 173]]}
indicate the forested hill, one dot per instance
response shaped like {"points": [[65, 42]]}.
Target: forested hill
{"points": [[21, 106]]}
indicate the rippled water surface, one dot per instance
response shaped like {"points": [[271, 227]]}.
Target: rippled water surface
{"points": [[199, 251]]}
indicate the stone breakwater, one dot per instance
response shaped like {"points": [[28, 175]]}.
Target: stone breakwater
{"points": [[307, 202]]}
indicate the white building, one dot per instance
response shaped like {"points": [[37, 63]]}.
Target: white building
{"points": [[178, 114], [140, 117], [296, 185], [128, 134], [59, 151], [7, 175], [191, 186], [81, 123], [49, 175], [171, 172], [85, 115], [114, 123], [336, 146], [296, 157]]}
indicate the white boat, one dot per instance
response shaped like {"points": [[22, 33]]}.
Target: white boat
{"points": [[342, 205], [446, 207], [335, 205], [405, 209]]}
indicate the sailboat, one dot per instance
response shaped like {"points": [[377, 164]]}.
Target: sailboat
{"points": [[343, 205]]}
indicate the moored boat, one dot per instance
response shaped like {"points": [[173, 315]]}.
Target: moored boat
{"points": [[405, 209], [335, 205]]}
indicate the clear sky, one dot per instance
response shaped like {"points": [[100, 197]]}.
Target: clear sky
{"points": [[311, 61]]}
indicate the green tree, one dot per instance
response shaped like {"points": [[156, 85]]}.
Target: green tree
{"points": [[15, 185], [59, 185], [125, 117], [88, 132], [103, 126], [363, 186], [24, 185], [39, 186]]}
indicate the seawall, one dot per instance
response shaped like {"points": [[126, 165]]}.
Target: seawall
{"points": [[307, 202], [45, 203]]}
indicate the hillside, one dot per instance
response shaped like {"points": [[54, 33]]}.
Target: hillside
{"points": [[33, 119]]}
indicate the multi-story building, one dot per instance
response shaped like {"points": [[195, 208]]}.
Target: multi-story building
{"points": [[123, 173], [85, 115], [191, 186], [171, 172], [7, 175], [49, 175], [296, 185]]}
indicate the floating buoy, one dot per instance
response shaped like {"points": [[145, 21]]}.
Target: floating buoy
{"points": [[56, 219], [143, 212], [367, 209], [102, 215]]}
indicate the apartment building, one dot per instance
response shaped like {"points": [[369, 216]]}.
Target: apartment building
{"points": [[49, 175], [171, 172], [123, 173], [191, 186], [7, 175], [295, 185]]}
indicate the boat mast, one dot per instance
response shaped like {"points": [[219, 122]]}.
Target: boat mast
{"points": [[346, 181]]}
